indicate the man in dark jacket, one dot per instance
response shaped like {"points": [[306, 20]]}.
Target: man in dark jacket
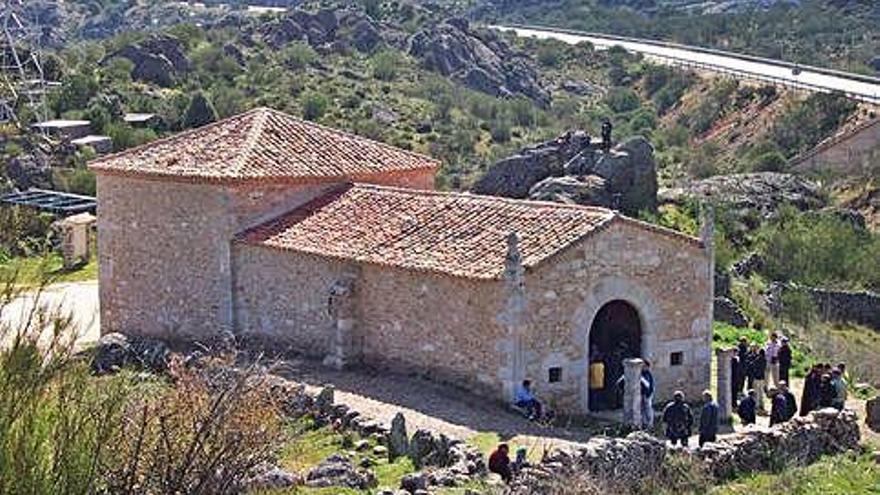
{"points": [[679, 419], [708, 419], [747, 409], [790, 402], [810, 395], [826, 391], [777, 406], [784, 358], [757, 373], [499, 462]]}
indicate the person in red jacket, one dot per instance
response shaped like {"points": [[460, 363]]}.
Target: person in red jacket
{"points": [[499, 462]]}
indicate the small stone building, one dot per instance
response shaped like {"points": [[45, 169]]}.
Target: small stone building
{"points": [[336, 246]]}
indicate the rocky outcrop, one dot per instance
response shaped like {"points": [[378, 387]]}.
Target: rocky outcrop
{"points": [[764, 192], [727, 311], [626, 463], [326, 30], [157, 59], [571, 169], [479, 59]]}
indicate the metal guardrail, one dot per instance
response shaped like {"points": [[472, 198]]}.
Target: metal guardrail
{"points": [[741, 73]]}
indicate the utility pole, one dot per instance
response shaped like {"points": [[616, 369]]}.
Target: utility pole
{"points": [[22, 82]]}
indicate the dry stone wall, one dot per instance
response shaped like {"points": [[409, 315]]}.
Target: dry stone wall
{"points": [[625, 463]]}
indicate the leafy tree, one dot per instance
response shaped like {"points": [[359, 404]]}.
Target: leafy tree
{"points": [[199, 112], [99, 117], [772, 161]]}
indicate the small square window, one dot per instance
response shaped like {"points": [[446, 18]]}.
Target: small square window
{"points": [[555, 375], [676, 358]]}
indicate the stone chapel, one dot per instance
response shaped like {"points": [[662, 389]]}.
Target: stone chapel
{"points": [[284, 231]]}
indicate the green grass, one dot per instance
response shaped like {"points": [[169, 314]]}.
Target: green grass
{"points": [[726, 336], [32, 271], [846, 474]]}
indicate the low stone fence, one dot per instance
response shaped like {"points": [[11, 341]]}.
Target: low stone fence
{"points": [[831, 305], [626, 463]]}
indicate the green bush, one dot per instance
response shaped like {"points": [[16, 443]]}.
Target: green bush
{"points": [[772, 161], [622, 100], [299, 55], [199, 112], [314, 105], [386, 65]]}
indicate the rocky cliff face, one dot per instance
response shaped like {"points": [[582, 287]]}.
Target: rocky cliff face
{"points": [[572, 169]]}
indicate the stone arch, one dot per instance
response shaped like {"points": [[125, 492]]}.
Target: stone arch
{"points": [[616, 335], [601, 293]]}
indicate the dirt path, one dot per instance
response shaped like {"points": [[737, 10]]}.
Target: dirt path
{"points": [[429, 405], [79, 300]]}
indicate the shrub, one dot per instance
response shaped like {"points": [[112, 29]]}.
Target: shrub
{"points": [[299, 55], [385, 65], [622, 100], [772, 161], [314, 105]]}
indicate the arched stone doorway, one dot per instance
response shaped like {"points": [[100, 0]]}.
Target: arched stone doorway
{"points": [[615, 335]]}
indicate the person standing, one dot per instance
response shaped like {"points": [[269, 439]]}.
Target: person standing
{"points": [[606, 134], [747, 409], [790, 401], [499, 462], [647, 388], [736, 371], [757, 374], [810, 394], [597, 381], [826, 391], [839, 385], [679, 419], [784, 358], [708, 419], [771, 351]]}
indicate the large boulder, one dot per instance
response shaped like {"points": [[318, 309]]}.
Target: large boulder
{"points": [[158, 59], [631, 173], [398, 442], [514, 176]]}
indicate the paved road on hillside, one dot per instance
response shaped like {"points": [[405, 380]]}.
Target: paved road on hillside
{"points": [[778, 72], [79, 300]]}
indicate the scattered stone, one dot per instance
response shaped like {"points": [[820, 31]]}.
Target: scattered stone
{"points": [[579, 88], [361, 445], [414, 481], [116, 350], [274, 478], [398, 443], [753, 263], [380, 451], [336, 470]]}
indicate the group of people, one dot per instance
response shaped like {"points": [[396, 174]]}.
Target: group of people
{"points": [[679, 419], [752, 365], [824, 386]]}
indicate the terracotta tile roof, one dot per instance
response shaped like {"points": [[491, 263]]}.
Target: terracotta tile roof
{"points": [[454, 233], [262, 144]]}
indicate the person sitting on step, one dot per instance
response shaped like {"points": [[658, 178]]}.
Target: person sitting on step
{"points": [[524, 399]]}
